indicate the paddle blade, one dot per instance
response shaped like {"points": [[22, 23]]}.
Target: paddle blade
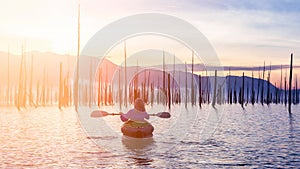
{"points": [[98, 113], [164, 115]]}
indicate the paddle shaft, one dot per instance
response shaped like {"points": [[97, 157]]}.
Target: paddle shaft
{"points": [[98, 113], [118, 114]]}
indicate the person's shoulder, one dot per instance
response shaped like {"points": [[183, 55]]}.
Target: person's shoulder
{"points": [[145, 112], [131, 111]]}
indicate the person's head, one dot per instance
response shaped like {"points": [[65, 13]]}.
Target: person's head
{"points": [[139, 105]]}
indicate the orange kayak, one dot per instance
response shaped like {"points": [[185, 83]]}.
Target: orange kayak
{"points": [[137, 129]]}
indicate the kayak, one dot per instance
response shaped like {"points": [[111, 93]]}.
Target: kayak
{"points": [[137, 129]]}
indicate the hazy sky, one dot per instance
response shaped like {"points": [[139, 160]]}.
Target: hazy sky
{"points": [[242, 32]]}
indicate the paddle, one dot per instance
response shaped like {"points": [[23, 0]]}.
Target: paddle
{"points": [[100, 113]]}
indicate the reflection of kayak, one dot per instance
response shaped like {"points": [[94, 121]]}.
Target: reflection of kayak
{"points": [[137, 129], [137, 143]]}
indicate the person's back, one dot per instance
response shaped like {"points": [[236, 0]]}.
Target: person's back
{"points": [[137, 114]]}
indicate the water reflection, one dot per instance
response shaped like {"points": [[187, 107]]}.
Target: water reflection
{"points": [[139, 149], [137, 144], [50, 138]]}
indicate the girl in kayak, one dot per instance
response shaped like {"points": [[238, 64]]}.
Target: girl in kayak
{"points": [[138, 113]]}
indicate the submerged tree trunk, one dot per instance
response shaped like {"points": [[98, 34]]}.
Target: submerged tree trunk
{"points": [[290, 84], [234, 93], [263, 86], [76, 86], [252, 90], [215, 90], [99, 87], [242, 90], [280, 91], [200, 93], [192, 82], [60, 95], [258, 85], [8, 79], [285, 90], [125, 76], [169, 91], [186, 90], [229, 89]]}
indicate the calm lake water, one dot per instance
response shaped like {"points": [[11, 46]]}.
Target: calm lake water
{"points": [[258, 136]]}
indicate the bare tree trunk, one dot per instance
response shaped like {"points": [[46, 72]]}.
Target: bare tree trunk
{"points": [[8, 79], [229, 88], [192, 82], [280, 93], [234, 93], [37, 93], [186, 90], [91, 85], [169, 91], [258, 85], [242, 91], [30, 85], [20, 91], [200, 91], [252, 90], [207, 88], [76, 86], [285, 91], [99, 87], [263, 86], [119, 91], [215, 90], [125, 82], [60, 87], [290, 84]]}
